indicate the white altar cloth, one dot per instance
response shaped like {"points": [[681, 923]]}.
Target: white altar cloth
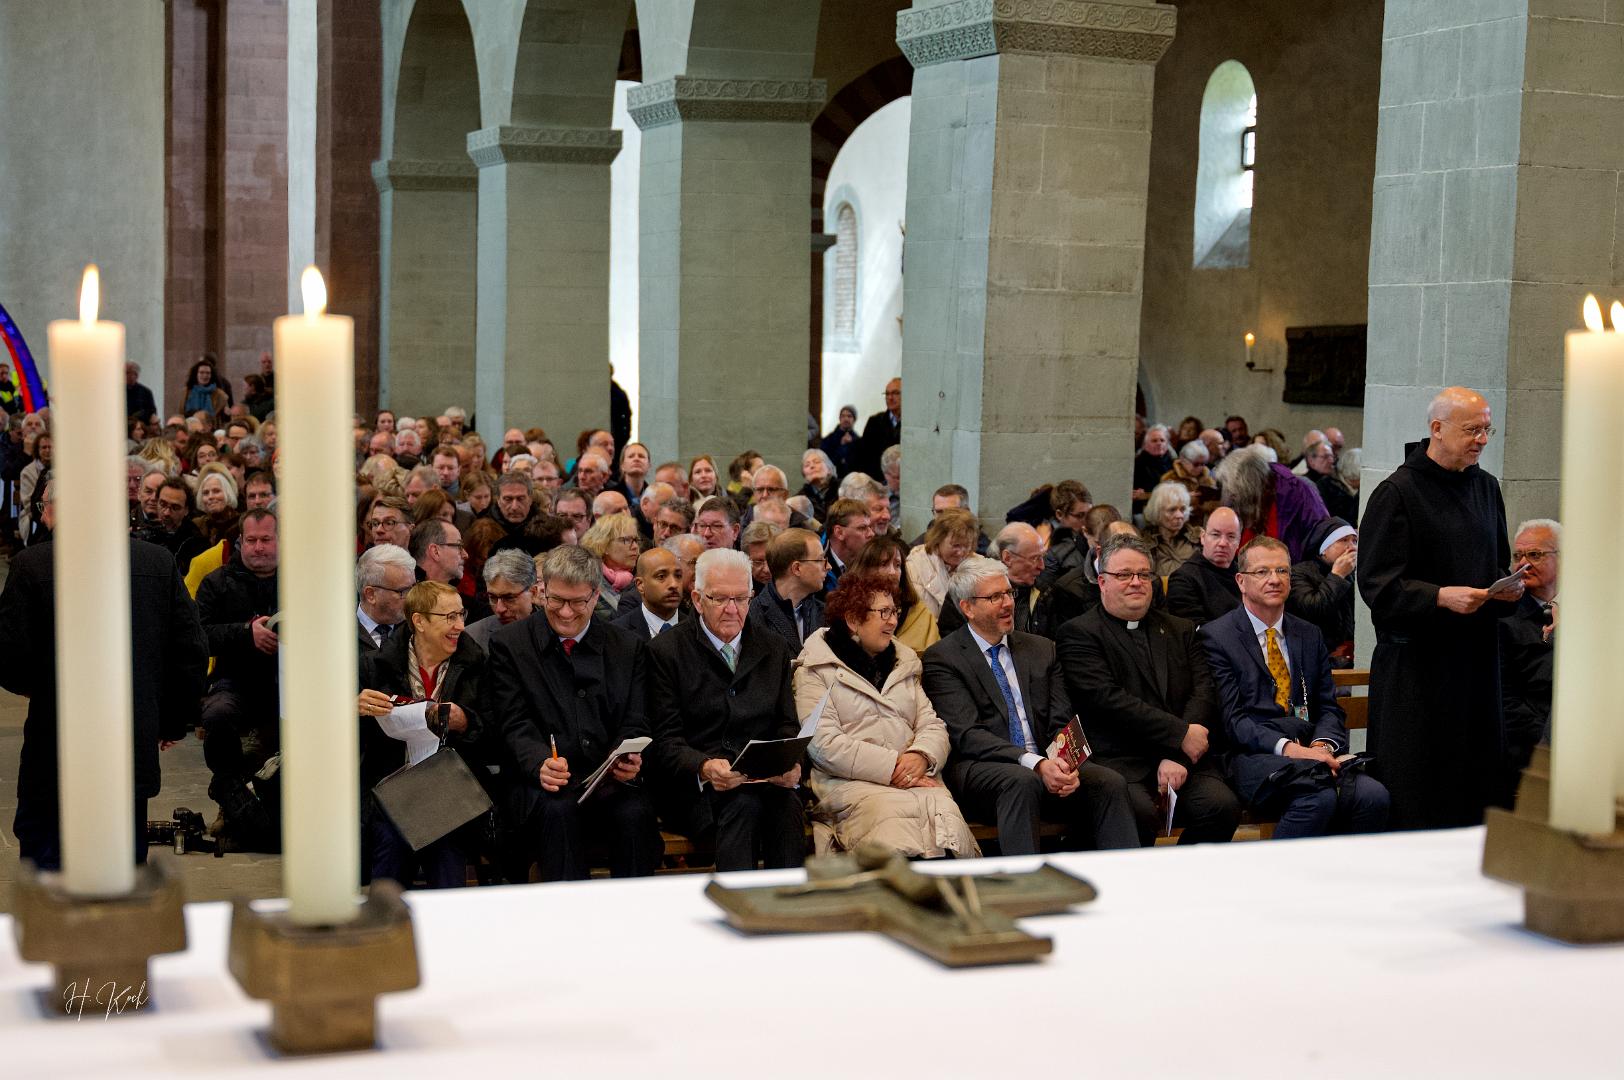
{"points": [[1374, 957]]}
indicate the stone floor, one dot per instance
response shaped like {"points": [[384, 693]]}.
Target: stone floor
{"points": [[185, 783]]}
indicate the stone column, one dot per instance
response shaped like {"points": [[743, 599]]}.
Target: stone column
{"points": [[82, 91], [543, 353], [427, 234], [725, 277], [1028, 164], [1497, 196]]}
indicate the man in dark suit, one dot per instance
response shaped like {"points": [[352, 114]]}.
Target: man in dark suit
{"points": [[1204, 588], [883, 429], [715, 683], [1528, 646], [383, 576], [1002, 718], [789, 604], [658, 594], [1139, 677], [1280, 715], [170, 657], [565, 691], [1020, 549], [1077, 591]]}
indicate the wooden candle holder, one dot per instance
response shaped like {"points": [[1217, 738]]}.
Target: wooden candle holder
{"points": [[1573, 885], [323, 982], [98, 948]]}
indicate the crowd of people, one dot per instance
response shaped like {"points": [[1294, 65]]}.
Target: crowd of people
{"points": [[535, 606]]}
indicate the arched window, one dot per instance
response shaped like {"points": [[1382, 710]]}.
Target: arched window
{"points": [[845, 285], [1223, 185]]}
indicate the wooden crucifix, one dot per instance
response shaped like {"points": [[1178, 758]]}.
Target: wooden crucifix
{"points": [[956, 920]]}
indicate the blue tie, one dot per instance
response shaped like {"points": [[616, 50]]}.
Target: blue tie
{"points": [[1016, 735]]}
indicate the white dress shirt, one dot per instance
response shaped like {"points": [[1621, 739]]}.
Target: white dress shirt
{"points": [[1006, 660], [1260, 631], [655, 623]]}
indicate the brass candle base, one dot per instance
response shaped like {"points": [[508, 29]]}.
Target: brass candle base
{"points": [[323, 981], [1573, 885], [98, 949]]}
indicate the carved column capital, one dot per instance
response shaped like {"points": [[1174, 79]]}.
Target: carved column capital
{"points": [[401, 174], [688, 98], [936, 32], [508, 144]]}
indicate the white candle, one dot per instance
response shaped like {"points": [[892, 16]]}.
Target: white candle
{"points": [[1584, 730], [91, 553], [315, 406]]}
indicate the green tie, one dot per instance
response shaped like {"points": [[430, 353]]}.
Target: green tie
{"points": [[732, 660]]}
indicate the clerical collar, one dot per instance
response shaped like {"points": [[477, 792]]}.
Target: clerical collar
{"points": [[1132, 624]]}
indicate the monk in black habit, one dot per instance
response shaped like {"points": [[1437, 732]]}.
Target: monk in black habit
{"points": [[1433, 538]]}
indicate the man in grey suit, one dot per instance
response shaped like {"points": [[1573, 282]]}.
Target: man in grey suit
{"points": [[1003, 698]]}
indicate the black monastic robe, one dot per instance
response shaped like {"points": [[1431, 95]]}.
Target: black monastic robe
{"points": [[1435, 711]]}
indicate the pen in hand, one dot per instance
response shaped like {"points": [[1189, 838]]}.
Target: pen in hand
{"points": [[554, 744]]}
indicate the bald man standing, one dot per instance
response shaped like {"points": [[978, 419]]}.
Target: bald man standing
{"points": [[1433, 539]]}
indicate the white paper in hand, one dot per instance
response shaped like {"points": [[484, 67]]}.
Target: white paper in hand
{"points": [[629, 746], [409, 724]]}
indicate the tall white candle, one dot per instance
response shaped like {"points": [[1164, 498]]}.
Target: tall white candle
{"points": [[1585, 742], [91, 552], [315, 406]]}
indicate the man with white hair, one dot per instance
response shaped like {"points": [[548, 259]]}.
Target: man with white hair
{"points": [[510, 589], [591, 474], [1019, 548], [715, 683], [1434, 541], [1216, 443], [384, 574], [408, 447], [1528, 645], [1155, 457]]}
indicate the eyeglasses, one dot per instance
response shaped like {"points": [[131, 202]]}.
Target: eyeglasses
{"points": [[821, 560], [885, 613], [1474, 431], [632, 540], [384, 523], [558, 603], [450, 544], [1126, 576], [725, 601], [448, 616], [503, 598], [710, 526], [997, 597], [385, 588], [1267, 572], [1531, 555]]}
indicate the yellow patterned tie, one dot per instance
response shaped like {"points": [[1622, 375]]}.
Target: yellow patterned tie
{"points": [[1277, 668]]}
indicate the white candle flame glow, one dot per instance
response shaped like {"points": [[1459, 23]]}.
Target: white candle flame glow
{"points": [[89, 295], [315, 292], [1617, 313], [1592, 315]]}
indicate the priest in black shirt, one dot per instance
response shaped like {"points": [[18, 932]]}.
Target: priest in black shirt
{"points": [[1434, 540]]}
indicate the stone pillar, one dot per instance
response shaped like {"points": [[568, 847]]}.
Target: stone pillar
{"points": [[1498, 161], [543, 352], [725, 277], [427, 233], [1028, 164], [82, 179]]}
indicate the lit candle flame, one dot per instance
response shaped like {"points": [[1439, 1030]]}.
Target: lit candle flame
{"points": [[89, 295], [1592, 315], [1617, 313], [315, 292], [1250, 339]]}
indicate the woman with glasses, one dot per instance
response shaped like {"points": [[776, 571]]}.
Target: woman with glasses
{"points": [[879, 747], [950, 537], [887, 556], [614, 540], [428, 661]]}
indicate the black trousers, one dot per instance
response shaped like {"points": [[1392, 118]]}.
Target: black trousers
{"points": [[1207, 810], [1097, 815], [556, 833], [38, 828], [237, 737]]}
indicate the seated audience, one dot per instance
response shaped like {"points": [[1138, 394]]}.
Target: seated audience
{"points": [[704, 481], [566, 690], [1204, 587], [789, 603], [383, 576], [1172, 536], [614, 542], [879, 747], [717, 521], [886, 556], [510, 590], [821, 476], [1151, 463], [658, 587], [1000, 693], [1282, 724], [1079, 591], [673, 517], [714, 684], [849, 529], [432, 662], [753, 542], [1020, 548], [950, 537], [1140, 678], [1528, 646], [1269, 500], [1322, 586], [1340, 501]]}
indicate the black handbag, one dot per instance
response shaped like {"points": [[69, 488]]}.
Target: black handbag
{"points": [[432, 798]]}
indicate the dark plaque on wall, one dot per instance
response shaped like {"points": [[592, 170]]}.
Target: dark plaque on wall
{"points": [[1325, 365]]}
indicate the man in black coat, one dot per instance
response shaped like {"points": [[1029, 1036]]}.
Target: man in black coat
{"points": [[790, 605], [656, 602], [169, 657], [1077, 591], [1140, 680], [1203, 587], [1322, 584], [566, 690], [883, 430], [241, 714], [1528, 646], [1434, 540], [1002, 720], [715, 683]]}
